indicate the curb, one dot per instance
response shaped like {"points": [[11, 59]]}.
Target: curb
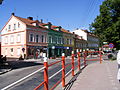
{"points": [[4, 71]]}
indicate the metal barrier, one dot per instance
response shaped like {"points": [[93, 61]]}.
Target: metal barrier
{"points": [[88, 52], [46, 78]]}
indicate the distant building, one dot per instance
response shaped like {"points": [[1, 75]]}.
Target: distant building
{"points": [[92, 40], [80, 43], [23, 36]]}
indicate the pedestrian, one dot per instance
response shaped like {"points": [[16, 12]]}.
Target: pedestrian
{"points": [[118, 61]]}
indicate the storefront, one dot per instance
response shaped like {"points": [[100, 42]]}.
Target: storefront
{"points": [[36, 51]]}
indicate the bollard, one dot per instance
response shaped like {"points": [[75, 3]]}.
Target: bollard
{"points": [[72, 63], [78, 60], [63, 70], [45, 72], [100, 56]]}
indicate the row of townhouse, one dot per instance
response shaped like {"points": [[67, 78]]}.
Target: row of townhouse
{"points": [[31, 38]]}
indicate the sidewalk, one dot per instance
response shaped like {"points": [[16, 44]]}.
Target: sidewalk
{"points": [[97, 76]]}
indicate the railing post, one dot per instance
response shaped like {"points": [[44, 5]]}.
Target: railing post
{"points": [[84, 58], [45, 72], [72, 63], [63, 70], [78, 60], [100, 56]]}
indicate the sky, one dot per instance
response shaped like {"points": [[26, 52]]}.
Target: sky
{"points": [[70, 14]]}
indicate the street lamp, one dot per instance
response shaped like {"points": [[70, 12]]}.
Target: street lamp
{"points": [[53, 47]]}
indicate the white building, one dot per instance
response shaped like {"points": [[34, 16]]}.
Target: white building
{"points": [[92, 40], [22, 36]]}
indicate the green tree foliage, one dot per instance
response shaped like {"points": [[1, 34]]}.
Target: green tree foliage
{"points": [[1, 1], [107, 24]]}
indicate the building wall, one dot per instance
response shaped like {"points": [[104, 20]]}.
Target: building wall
{"points": [[81, 33], [13, 37]]}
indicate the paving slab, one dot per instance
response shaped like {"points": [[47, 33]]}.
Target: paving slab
{"points": [[98, 76]]}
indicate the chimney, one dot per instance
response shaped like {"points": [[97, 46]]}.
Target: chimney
{"points": [[49, 25], [73, 32], [41, 20], [68, 30], [13, 14], [59, 28], [30, 18]]}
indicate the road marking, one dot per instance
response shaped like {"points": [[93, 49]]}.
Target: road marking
{"points": [[22, 79]]}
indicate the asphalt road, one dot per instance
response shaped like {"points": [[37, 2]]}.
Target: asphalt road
{"points": [[30, 83]]}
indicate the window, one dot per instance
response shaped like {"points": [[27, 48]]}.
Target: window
{"points": [[6, 39], [11, 51], [50, 39], [12, 39], [67, 41], [37, 38], [18, 25], [18, 51], [14, 26], [63, 41], [9, 27], [31, 38], [18, 38], [42, 38], [6, 51], [70, 41]]}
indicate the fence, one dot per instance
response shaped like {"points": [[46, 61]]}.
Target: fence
{"points": [[91, 53], [46, 65]]}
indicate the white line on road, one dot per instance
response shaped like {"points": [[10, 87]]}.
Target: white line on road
{"points": [[22, 79]]}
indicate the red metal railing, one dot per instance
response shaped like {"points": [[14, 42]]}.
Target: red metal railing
{"points": [[90, 52], [45, 82]]}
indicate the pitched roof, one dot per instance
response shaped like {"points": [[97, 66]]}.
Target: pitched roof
{"points": [[30, 22]]}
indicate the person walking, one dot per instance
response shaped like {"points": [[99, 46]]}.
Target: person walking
{"points": [[118, 61]]}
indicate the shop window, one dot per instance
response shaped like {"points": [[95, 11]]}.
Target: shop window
{"points": [[6, 51], [18, 51], [11, 51]]}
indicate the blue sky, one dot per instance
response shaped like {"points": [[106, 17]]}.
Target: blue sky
{"points": [[70, 14]]}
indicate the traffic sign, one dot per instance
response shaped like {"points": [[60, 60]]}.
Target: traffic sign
{"points": [[111, 45]]}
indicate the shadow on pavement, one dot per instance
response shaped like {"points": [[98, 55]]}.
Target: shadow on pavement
{"points": [[22, 64], [71, 82]]}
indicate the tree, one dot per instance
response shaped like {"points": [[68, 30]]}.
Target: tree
{"points": [[107, 24], [1, 1]]}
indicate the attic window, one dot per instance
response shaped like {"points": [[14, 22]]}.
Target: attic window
{"points": [[9, 27], [18, 25]]}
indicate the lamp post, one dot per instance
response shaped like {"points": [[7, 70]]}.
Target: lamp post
{"points": [[53, 51]]}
